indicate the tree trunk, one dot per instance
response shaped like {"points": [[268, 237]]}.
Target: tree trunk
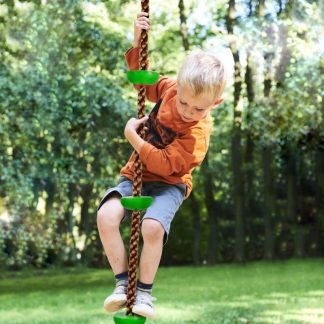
{"points": [[291, 186], [37, 187], [319, 172], [292, 202], [250, 4], [280, 8], [195, 209], [238, 189], [212, 212], [50, 189], [238, 196], [260, 8], [300, 241], [249, 191], [269, 202], [230, 18], [70, 221], [268, 176], [86, 223], [183, 26]]}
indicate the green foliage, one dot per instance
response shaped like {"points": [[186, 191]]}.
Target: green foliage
{"points": [[64, 101], [62, 115]]}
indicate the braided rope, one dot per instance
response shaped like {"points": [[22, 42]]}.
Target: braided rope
{"points": [[137, 179]]}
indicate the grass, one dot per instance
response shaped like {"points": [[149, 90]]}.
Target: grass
{"points": [[278, 292]]}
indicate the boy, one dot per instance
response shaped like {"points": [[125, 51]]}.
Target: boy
{"points": [[177, 137]]}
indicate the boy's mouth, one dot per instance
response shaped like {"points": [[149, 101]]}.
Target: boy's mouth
{"points": [[186, 119]]}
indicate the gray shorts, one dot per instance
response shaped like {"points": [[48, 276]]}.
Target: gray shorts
{"points": [[166, 200]]}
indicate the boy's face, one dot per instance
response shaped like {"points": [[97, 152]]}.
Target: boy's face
{"points": [[194, 108]]}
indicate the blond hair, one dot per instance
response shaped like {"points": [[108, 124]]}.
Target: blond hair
{"points": [[203, 72]]}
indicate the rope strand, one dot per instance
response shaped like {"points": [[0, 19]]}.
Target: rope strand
{"points": [[137, 178]]}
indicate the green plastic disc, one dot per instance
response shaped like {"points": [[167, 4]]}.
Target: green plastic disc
{"points": [[122, 318], [142, 76], [136, 203]]}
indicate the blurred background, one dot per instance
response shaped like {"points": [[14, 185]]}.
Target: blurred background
{"points": [[64, 101]]}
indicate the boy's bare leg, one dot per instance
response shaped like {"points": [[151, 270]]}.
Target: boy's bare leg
{"points": [[153, 233], [108, 220]]}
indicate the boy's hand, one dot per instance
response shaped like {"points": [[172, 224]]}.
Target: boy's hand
{"points": [[133, 124], [130, 132], [142, 22]]}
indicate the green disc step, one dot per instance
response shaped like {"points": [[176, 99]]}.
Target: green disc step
{"points": [[136, 203], [142, 77], [122, 318]]}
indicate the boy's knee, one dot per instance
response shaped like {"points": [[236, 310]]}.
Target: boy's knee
{"points": [[108, 216], [101, 216], [106, 220], [152, 230]]}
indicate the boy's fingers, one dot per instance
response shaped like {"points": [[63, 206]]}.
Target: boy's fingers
{"points": [[142, 13], [143, 19], [142, 25], [143, 22], [143, 119]]}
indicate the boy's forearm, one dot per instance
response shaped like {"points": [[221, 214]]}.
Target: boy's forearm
{"points": [[135, 140], [137, 37], [142, 22], [136, 43]]}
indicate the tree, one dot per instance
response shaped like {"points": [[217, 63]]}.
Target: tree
{"points": [[238, 191]]}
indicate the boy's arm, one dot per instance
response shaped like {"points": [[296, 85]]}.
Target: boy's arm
{"points": [[156, 91], [179, 157], [142, 22]]}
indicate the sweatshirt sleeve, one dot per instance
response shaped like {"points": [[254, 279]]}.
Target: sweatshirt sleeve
{"points": [[155, 91], [179, 157]]}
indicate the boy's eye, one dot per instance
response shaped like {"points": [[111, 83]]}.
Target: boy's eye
{"points": [[200, 110], [183, 103]]}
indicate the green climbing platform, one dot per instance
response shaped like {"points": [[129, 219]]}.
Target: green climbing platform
{"points": [[143, 77], [137, 202], [122, 318]]}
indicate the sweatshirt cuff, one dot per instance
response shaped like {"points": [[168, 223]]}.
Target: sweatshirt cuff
{"points": [[132, 58], [146, 149]]}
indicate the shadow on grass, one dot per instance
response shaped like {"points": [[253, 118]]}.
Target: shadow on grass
{"points": [[271, 308]]}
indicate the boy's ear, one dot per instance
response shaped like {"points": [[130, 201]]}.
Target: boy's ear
{"points": [[217, 102]]}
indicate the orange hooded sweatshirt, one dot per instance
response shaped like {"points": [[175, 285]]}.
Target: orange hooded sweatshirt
{"points": [[172, 148]]}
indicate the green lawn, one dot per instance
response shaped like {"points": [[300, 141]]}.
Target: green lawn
{"points": [[279, 292]]}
